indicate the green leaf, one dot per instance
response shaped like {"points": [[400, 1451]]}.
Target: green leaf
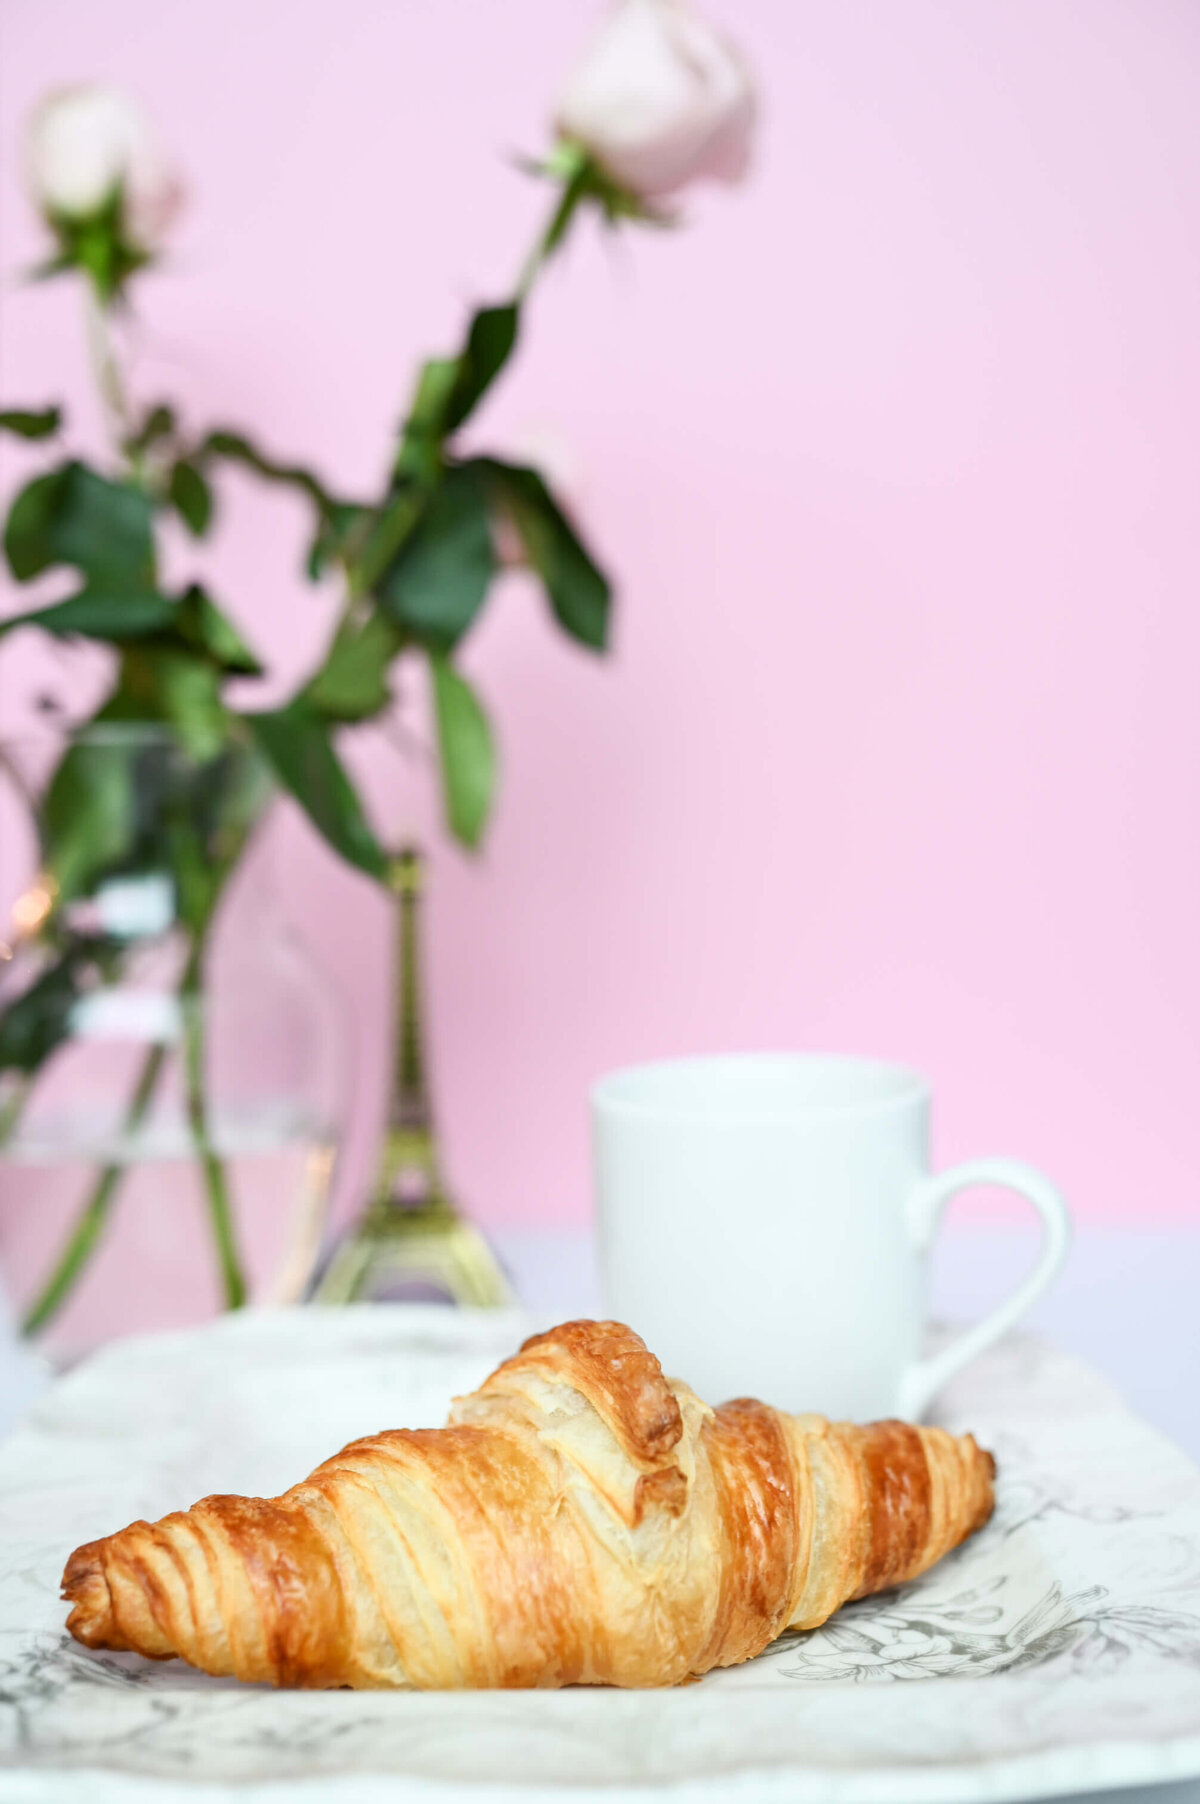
{"points": [[73, 516], [490, 342], [102, 613], [187, 688], [578, 589], [161, 781], [27, 422], [296, 743], [88, 814], [158, 423], [38, 1020], [450, 388], [103, 527], [352, 684], [437, 584], [204, 820], [200, 622], [467, 753], [29, 530], [164, 680], [191, 497]]}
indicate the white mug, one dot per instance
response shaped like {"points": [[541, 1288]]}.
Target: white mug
{"points": [[763, 1221]]}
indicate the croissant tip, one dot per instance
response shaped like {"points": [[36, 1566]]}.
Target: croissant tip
{"points": [[85, 1586]]}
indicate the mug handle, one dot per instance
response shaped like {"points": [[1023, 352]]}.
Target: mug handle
{"points": [[923, 1380]]}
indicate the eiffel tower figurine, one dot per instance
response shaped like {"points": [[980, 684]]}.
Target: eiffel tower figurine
{"points": [[410, 1243]]}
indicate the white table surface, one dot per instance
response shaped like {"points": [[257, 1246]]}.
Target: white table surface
{"points": [[1127, 1303]]}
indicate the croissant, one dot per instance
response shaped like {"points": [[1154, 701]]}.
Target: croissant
{"points": [[581, 1520]]}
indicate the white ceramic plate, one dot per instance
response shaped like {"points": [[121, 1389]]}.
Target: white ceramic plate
{"points": [[1059, 1651]]}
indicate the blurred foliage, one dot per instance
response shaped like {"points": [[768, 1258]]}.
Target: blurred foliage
{"points": [[417, 567], [173, 771], [171, 774]]}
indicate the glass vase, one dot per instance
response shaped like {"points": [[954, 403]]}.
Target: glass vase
{"points": [[169, 1092]]}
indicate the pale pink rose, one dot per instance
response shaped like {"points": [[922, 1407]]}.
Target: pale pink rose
{"points": [[660, 98], [85, 143]]}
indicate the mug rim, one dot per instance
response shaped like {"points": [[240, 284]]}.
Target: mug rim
{"points": [[907, 1087]]}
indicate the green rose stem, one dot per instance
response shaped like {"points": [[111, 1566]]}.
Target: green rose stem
{"points": [[94, 1214], [98, 320], [12, 1107], [10, 1112], [216, 1184], [571, 162]]}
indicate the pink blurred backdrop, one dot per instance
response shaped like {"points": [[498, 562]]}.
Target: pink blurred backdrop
{"points": [[893, 454]]}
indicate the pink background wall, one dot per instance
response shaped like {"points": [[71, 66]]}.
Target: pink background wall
{"points": [[894, 455]]}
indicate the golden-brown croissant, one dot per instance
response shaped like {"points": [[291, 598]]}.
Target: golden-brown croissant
{"points": [[581, 1520]]}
